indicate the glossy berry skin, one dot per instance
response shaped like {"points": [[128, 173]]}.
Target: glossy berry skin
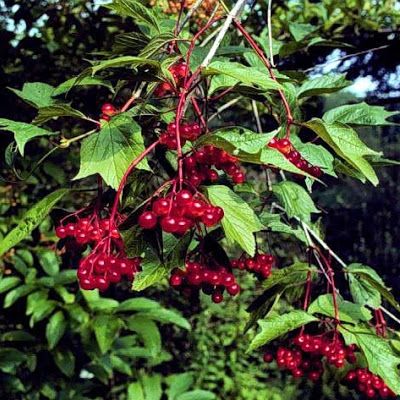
{"points": [[169, 224], [108, 109], [161, 206], [148, 220]]}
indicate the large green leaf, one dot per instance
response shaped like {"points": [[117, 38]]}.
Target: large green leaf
{"points": [[123, 61], [237, 139], [31, 220], [56, 111], [345, 142], [279, 325], [37, 94], [246, 75], [110, 151], [55, 329], [178, 384], [359, 114], [348, 311], [295, 200], [23, 132], [378, 352], [148, 332], [76, 82], [322, 84], [239, 222]]}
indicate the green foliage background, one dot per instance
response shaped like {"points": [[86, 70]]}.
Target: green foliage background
{"points": [[122, 349]]}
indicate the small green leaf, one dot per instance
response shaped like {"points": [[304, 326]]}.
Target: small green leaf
{"points": [[137, 304], [123, 61], [23, 132], [178, 384], [295, 200], [300, 31], [106, 328], [152, 386], [348, 311], [8, 283], [110, 151], [37, 94], [118, 364], [135, 391], [56, 111], [55, 329], [166, 316], [239, 222], [197, 394], [65, 361], [359, 114], [16, 294], [148, 332], [246, 75], [274, 223], [17, 336], [378, 352], [31, 220], [49, 261], [279, 325], [321, 85]]}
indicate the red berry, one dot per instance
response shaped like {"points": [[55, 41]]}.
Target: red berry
{"points": [[148, 220], [87, 283], [268, 357], [101, 283], [238, 177], [217, 297], [169, 224], [183, 198], [108, 109], [175, 280]]}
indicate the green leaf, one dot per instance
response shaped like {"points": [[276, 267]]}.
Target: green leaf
{"points": [[246, 75], [56, 111], [106, 328], [37, 94], [239, 221], [348, 311], [16, 294], [197, 394], [31, 220], [17, 336], [166, 316], [237, 139], [279, 325], [65, 361], [152, 386], [295, 200], [110, 151], [8, 283], [55, 329], [23, 132], [323, 84], [371, 283], [178, 384], [221, 82], [378, 352], [301, 31], [135, 391], [345, 142], [123, 61], [156, 44], [10, 359], [118, 364], [148, 332], [49, 261], [140, 13], [137, 304], [274, 223], [359, 114], [76, 82], [315, 155]]}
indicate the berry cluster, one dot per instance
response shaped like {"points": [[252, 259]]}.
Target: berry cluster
{"points": [[107, 111], [178, 72], [286, 148], [305, 356], [260, 264], [177, 213], [106, 263], [211, 280], [97, 270], [369, 384], [87, 230], [188, 131], [198, 166]]}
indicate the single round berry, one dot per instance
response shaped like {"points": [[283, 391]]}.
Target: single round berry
{"points": [[108, 109], [148, 220]]}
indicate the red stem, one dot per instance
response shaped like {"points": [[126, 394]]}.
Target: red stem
{"points": [[267, 63], [122, 184], [199, 113]]}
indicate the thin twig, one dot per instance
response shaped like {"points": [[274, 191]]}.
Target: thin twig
{"points": [[269, 22], [347, 56], [256, 116], [191, 11], [224, 107]]}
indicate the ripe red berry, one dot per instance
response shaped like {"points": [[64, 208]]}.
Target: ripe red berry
{"points": [[148, 220], [217, 297], [161, 206], [183, 198], [169, 224], [108, 109]]}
